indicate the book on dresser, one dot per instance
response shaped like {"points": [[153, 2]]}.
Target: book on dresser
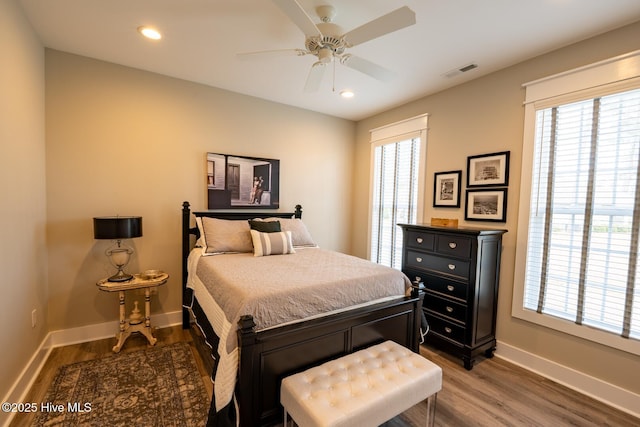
{"points": [[460, 270]]}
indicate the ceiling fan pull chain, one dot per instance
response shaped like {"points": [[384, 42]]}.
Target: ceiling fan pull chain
{"points": [[333, 89]]}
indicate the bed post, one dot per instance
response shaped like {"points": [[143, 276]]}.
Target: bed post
{"points": [[298, 212], [417, 291], [247, 386], [186, 216]]}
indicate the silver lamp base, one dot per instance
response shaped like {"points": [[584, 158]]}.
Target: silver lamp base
{"points": [[120, 276], [119, 257]]}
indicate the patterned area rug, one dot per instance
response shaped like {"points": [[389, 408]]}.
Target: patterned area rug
{"points": [[159, 386]]}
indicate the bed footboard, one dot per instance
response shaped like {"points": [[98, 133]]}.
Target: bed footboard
{"points": [[274, 354]]}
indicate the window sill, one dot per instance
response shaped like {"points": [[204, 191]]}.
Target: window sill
{"points": [[629, 345]]}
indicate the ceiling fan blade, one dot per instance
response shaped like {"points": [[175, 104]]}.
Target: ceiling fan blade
{"points": [[393, 21], [296, 13], [367, 67], [315, 77], [272, 53]]}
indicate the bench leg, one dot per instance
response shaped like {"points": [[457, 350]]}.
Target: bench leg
{"points": [[431, 410], [285, 422]]}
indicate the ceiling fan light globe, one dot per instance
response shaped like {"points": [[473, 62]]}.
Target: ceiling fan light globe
{"points": [[325, 55]]}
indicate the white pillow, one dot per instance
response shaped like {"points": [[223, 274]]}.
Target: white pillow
{"points": [[223, 236], [278, 243], [300, 236]]}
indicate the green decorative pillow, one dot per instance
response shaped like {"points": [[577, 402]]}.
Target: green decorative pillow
{"points": [[265, 226], [271, 243]]}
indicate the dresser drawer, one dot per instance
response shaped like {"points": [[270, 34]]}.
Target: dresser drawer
{"points": [[458, 246], [445, 328], [440, 285], [444, 307], [414, 275], [420, 240], [448, 288], [449, 266]]}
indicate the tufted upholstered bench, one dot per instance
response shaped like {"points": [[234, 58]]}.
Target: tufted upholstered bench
{"points": [[365, 388]]}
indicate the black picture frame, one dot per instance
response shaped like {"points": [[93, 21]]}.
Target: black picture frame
{"points": [[488, 204], [241, 182], [446, 189], [488, 170]]}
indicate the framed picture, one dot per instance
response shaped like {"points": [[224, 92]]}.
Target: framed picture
{"points": [[211, 174], [446, 189], [486, 205], [242, 182], [488, 170]]}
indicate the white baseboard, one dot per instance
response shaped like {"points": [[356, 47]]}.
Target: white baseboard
{"points": [[26, 379], [60, 338], [595, 388], [105, 330]]}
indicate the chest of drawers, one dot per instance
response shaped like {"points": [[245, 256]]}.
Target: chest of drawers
{"points": [[460, 270]]}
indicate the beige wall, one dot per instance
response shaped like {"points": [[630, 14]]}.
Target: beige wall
{"points": [[23, 252], [484, 116], [128, 142]]}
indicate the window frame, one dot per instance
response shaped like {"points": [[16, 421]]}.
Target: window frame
{"points": [[605, 77], [415, 127]]}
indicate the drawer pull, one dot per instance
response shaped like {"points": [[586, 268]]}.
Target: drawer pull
{"points": [[419, 239], [418, 259], [448, 329], [452, 266], [450, 288], [453, 245], [449, 309]]}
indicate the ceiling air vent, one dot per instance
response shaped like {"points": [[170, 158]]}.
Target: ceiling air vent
{"points": [[460, 70]]}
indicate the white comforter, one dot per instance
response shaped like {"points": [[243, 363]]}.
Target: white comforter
{"points": [[281, 289]]}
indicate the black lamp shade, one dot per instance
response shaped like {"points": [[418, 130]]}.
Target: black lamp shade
{"points": [[117, 227]]}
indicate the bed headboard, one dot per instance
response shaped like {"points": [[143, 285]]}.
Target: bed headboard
{"points": [[188, 231]]}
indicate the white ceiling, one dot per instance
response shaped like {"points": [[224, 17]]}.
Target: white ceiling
{"points": [[202, 38]]}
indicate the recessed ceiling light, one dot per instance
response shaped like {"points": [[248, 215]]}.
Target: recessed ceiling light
{"points": [[347, 93], [150, 33]]}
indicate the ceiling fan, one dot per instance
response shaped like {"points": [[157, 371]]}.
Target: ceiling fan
{"points": [[329, 43]]}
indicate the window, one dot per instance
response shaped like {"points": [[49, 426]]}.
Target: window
{"points": [[395, 194], [396, 188], [580, 212]]}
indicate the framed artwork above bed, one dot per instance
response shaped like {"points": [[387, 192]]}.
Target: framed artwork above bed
{"points": [[242, 182]]}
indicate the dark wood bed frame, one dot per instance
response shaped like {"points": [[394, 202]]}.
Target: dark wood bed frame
{"points": [[268, 356]]}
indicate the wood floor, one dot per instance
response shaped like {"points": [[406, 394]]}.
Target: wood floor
{"points": [[498, 393], [494, 393]]}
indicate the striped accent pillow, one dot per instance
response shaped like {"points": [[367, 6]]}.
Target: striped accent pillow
{"points": [[271, 243]]}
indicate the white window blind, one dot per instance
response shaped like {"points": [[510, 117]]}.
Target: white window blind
{"points": [[582, 263], [395, 193], [577, 266], [396, 187]]}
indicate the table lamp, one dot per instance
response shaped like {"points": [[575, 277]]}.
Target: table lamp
{"points": [[118, 228]]}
